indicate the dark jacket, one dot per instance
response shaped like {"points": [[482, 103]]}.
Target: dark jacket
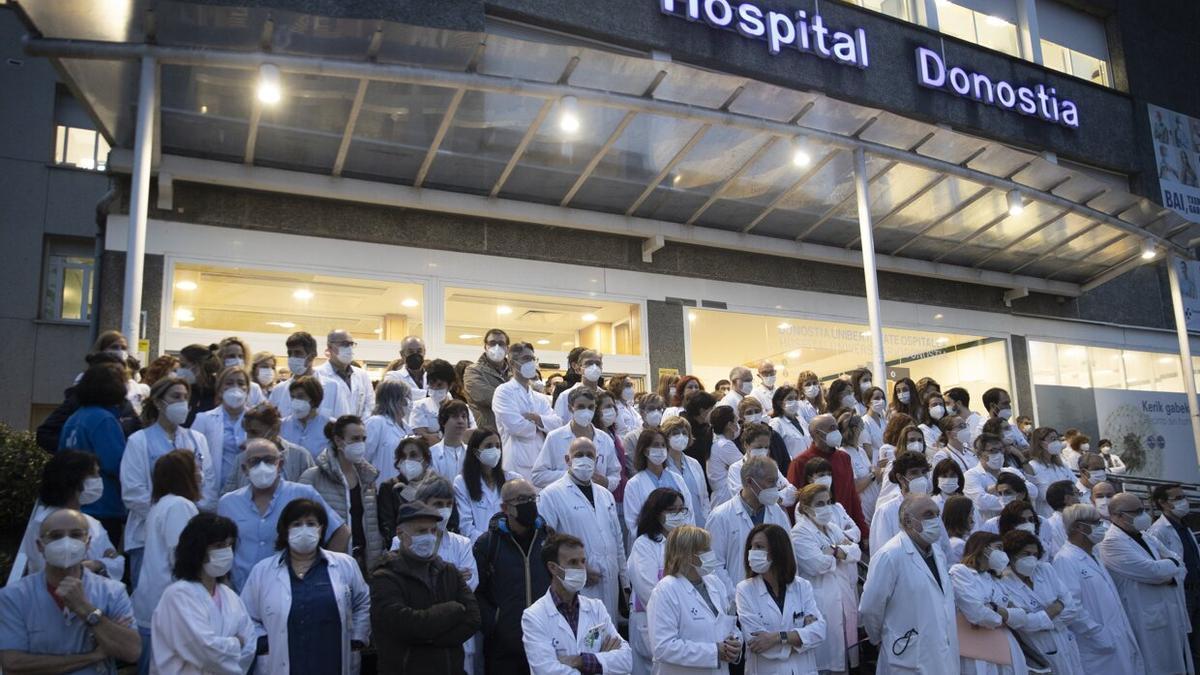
{"points": [[510, 580], [50, 429], [419, 627], [388, 500]]}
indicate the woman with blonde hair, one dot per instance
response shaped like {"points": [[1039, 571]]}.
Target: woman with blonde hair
{"points": [[1045, 460], [812, 395], [233, 352], [679, 437], [222, 426]]}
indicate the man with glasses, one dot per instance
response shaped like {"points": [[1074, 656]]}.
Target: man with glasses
{"points": [[1149, 581], [731, 522], [1172, 530], [523, 416], [353, 394], [511, 576], [481, 378]]}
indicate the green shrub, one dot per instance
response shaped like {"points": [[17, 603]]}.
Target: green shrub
{"points": [[21, 462]]}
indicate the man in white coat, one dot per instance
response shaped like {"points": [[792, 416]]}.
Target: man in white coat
{"points": [[549, 465], [590, 367], [741, 383], [765, 389], [1171, 530], [565, 632], [1150, 583], [907, 604], [576, 506], [730, 523], [1106, 645], [523, 416], [351, 384]]}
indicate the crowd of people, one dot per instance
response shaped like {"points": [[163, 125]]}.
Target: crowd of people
{"points": [[205, 515]]}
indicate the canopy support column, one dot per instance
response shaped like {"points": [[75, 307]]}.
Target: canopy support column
{"points": [[139, 201], [1185, 349], [867, 235]]}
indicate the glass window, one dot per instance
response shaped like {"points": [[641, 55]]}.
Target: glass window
{"points": [[1082, 366], [1107, 368], [1073, 42], [992, 25], [240, 300], [67, 280], [896, 8], [1073, 366], [1043, 359], [552, 323], [80, 148]]}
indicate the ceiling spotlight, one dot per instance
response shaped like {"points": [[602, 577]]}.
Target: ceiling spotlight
{"points": [[1015, 204], [1148, 250], [469, 336], [590, 318], [409, 302], [568, 114], [503, 310], [800, 154], [186, 285], [184, 315], [543, 341], [784, 326], [794, 354], [302, 294], [938, 317], [691, 316], [270, 89]]}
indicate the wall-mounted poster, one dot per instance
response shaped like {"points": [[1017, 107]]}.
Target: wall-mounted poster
{"points": [[1150, 431], [1177, 152]]}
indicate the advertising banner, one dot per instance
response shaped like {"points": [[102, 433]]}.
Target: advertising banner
{"points": [[1150, 431], [1177, 153]]}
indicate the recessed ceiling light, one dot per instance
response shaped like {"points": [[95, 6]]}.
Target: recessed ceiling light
{"points": [[503, 309], [409, 302], [938, 317], [186, 285], [943, 340], [794, 354], [377, 331], [589, 317], [184, 315], [302, 294], [282, 324], [691, 316], [784, 326], [468, 336], [543, 341], [865, 333]]}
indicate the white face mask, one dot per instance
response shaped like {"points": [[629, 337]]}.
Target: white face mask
{"points": [[937, 412], [754, 419], [263, 475], [445, 512], [1085, 447], [583, 417], [300, 407], [303, 539], [186, 375], [176, 413], [438, 395], [607, 417], [538, 386], [769, 496], [769, 381], [64, 553], [915, 446], [1102, 506], [918, 486], [1097, 476], [826, 480], [265, 376], [592, 373], [670, 393], [865, 385], [931, 529], [93, 490], [1026, 565], [422, 545], [1004, 413], [234, 363], [233, 397], [1054, 448], [822, 515], [995, 461], [628, 394], [489, 457], [496, 353], [679, 442], [760, 561], [657, 455], [574, 579], [1028, 527], [674, 520], [297, 365], [355, 451], [708, 563], [757, 452], [791, 408], [833, 439], [948, 484], [1005, 500], [1106, 450], [997, 560], [582, 469], [746, 386], [652, 418], [964, 437], [220, 561], [904, 397], [878, 406], [345, 355], [1142, 522], [848, 401], [812, 391], [411, 469], [122, 353], [528, 370], [1179, 506], [1097, 533]]}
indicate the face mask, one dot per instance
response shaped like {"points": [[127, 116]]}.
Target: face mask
{"points": [[822, 515], [445, 512], [93, 489], [652, 418], [583, 417], [995, 461], [1097, 533], [657, 456], [674, 520], [904, 397], [812, 391], [760, 561], [827, 481], [964, 437], [582, 469], [1097, 476], [1179, 506], [754, 419], [1142, 522], [355, 451], [528, 370], [304, 538], [864, 386], [266, 376], [220, 561], [1004, 413], [411, 469], [122, 353], [948, 485], [300, 408], [592, 373], [186, 375], [527, 514], [262, 475], [848, 401], [176, 413], [833, 439], [345, 355], [745, 387], [792, 408], [297, 365], [1105, 450], [1028, 527], [937, 412], [1102, 506], [1005, 500], [438, 395], [1055, 448], [918, 486], [489, 457], [607, 417], [931, 529], [1086, 447], [1027, 429], [997, 560], [878, 405], [1025, 565], [679, 442], [627, 394], [769, 381], [422, 545], [768, 496], [65, 553], [414, 361], [234, 363], [915, 446], [708, 563], [574, 579], [671, 392], [758, 452], [538, 386], [233, 397]]}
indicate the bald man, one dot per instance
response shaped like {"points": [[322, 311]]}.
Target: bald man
{"points": [[907, 605], [741, 383], [825, 441], [765, 388], [1149, 580], [412, 350], [353, 394], [66, 619]]}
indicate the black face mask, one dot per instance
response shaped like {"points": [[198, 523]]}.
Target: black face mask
{"points": [[414, 361], [527, 514]]}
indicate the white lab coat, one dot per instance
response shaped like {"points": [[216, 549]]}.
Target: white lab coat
{"points": [[268, 599], [551, 462], [547, 636], [142, 450], [210, 424], [447, 461], [1156, 608], [521, 439], [933, 435], [424, 415], [281, 396], [834, 586], [628, 419], [1168, 537], [194, 634], [383, 437], [169, 515], [885, 524], [724, 454], [356, 399], [1052, 637], [795, 440], [872, 434], [758, 612], [987, 505], [764, 395], [860, 463], [416, 391], [562, 409], [974, 593], [901, 595], [965, 460], [1052, 534], [1115, 465], [644, 569], [641, 485], [98, 543], [565, 509], [683, 631], [1108, 647], [733, 482], [690, 468], [1044, 475], [474, 516], [729, 524], [733, 399]]}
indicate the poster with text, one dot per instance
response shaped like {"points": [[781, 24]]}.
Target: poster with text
{"points": [[1177, 153], [1151, 431], [1189, 291]]}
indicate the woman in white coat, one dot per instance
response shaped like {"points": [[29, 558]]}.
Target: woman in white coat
{"points": [[982, 601], [865, 474], [623, 392], [781, 623], [650, 410], [650, 464], [787, 422], [874, 421], [955, 444], [311, 605], [692, 631], [1045, 460], [200, 625], [387, 426], [222, 428], [477, 488], [679, 438], [1050, 610], [724, 454], [663, 511], [828, 559]]}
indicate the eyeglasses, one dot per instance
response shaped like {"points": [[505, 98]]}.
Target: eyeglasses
{"points": [[255, 461], [685, 511], [344, 343], [531, 499]]}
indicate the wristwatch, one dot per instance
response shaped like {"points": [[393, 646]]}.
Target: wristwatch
{"points": [[783, 637], [93, 617]]}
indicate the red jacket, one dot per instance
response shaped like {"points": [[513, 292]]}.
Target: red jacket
{"points": [[843, 482]]}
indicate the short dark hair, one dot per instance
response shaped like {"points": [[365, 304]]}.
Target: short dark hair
{"points": [[814, 466], [721, 417], [311, 386], [1015, 540], [985, 439], [422, 446], [697, 401], [557, 541], [102, 384], [656, 502], [1056, 494], [778, 398], [1013, 481], [335, 428], [175, 474], [1010, 516], [951, 466], [779, 550], [991, 397], [295, 510], [202, 531], [265, 414], [440, 370], [642, 447], [754, 431], [958, 394], [905, 462], [451, 408], [63, 475], [956, 514], [302, 339], [496, 331], [1159, 494]]}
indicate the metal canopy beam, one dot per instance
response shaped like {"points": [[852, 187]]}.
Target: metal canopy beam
{"points": [[1024, 235], [725, 185], [595, 160], [360, 95], [307, 65], [519, 151], [670, 166], [844, 201], [956, 209], [447, 120], [783, 196]]}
